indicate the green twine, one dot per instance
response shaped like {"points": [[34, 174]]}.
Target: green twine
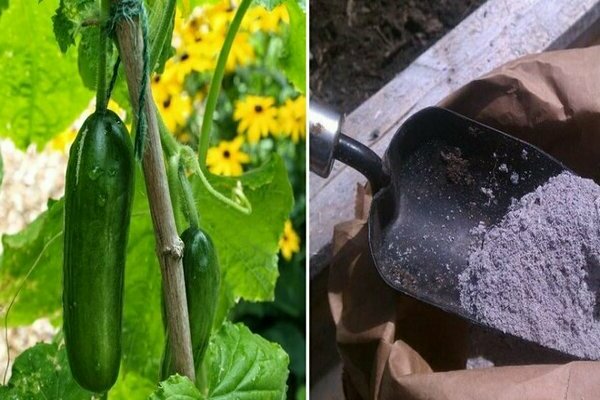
{"points": [[113, 79], [127, 10]]}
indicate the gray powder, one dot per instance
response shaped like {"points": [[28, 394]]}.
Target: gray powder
{"points": [[536, 274]]}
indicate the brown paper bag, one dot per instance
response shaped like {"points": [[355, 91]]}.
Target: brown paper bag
{"points": [[394, 347]]}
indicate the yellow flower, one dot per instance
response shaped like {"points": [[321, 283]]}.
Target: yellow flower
{"points": [[195, 58], [256, 116], [242, 52], [260, 19], [292, 118], [116, 108], [168, 83], [184, 137], [180, 29], [198, 40], [175, 110], [62, 142], [220, 15], [289, 242], [227, 158]]}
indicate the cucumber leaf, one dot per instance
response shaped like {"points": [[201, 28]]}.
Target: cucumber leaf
{"points": [[243, 366], [301, 393], [36, 250], [3, 6], [176, 387], [238, 365], [131, 386], [247, 245], [294, 59], [269, 4], [41, 93], [67, 20], [42, 372]]}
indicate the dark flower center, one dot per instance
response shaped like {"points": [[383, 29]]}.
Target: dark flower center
{"points": [[184, 56], [258, 108], [156, 78], [226, 154], [167, 103]]}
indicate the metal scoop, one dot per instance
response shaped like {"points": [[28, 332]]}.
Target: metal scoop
{"points": [[439, 178]]}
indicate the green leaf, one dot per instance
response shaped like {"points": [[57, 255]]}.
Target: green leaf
{"points": [[301, 393], [294, 62], [292, 341], [269, 4], [176, 388], [87, 57], [160, 45], [37, 248], [241, 365], [41, 93], [247, 245], [187, 6], [87, 62], [64, 27], [3, 6], [68, 18], [42, 372], [131, 386]]}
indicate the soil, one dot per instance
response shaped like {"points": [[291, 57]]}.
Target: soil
{"points": [[357, 46], [457, 168]]}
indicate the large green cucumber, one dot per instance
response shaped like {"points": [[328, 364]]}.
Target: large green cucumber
{"points": [[202, 280], [98, 195]]}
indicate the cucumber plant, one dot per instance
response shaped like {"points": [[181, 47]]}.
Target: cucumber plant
{"points": [[112, 342]]}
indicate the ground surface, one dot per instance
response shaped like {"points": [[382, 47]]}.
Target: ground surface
{"points": [[357, 46]]}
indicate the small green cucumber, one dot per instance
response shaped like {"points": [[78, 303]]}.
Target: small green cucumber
{"points": [[202, 280]]}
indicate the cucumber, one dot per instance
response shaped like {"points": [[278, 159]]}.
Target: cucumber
{"points": [[202, 280], [98, 195]]}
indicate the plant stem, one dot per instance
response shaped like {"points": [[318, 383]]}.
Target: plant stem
{"points": [[189, 203], [217, 79], [101, 88], [169, 245], [174, 188], [170, 145], [165, 26]]}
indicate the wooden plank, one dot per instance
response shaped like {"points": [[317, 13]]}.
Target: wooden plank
{"points": [[497, 32]]}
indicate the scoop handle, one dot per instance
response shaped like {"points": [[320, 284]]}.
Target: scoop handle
{"points": [[328, 143]]}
